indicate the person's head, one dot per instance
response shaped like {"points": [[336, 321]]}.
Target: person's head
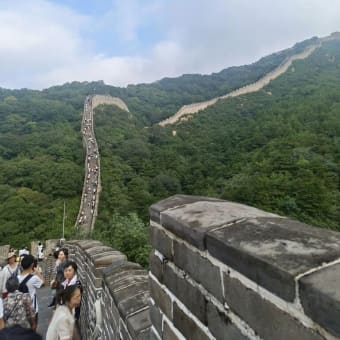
{"points": [[17, 332], [63, 254], [12, 284], [11, 258], [70, 269], [27, 262], [70, 297]]}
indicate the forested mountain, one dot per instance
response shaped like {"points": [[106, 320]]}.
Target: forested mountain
{"points": [[277, 149]]}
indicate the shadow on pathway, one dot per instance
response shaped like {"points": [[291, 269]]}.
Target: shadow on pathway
{"points": [[45, 313]]}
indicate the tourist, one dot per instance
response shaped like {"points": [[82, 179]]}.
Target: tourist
{"points": [[59, 269], [34, 282], [62, 258], [62, 323], [17, 332], [17, 307], [71, 278], [11, 269], [40, 252]]}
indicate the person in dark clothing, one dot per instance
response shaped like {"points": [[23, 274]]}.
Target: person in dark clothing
{"points": [[17, 332], [59, 268], [62, 257]]}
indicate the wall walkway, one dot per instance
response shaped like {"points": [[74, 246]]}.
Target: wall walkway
{"points": [[187, 110]]}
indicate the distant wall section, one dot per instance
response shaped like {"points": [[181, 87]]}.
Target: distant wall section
{"points": [[101, 99]]}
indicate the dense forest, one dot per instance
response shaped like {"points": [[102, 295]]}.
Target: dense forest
{"points": [[277, 149]]}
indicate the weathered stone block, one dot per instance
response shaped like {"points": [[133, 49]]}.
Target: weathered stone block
{"points": [[156, 266], [220, 325], [134, 303], [128, 277], [129, 292], [320, 297], [144, 334], [138, 324], [173, 202], [199, 268], [85, 244], [123, 332], [107, 258], [188, 294], [154, 335], [98, 250], [169, 333], [120, 265], [160, 241], [156, 318], [187, 326], [273, 251], [161, 298], [264, 317], [190, 217]]}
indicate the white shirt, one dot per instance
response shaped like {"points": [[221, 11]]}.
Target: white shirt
{"points": [[1, 309], [67, 283], [40, 252], [62, 324], [32, 284]]}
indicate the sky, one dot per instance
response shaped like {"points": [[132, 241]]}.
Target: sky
{"points": [[50, 42]]}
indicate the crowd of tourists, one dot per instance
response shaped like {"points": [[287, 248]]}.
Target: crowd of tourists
{"points": [[19, 280], [92, 169]]}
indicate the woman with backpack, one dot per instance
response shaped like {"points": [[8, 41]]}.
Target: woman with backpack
{"points": [[10, 270], [17, 306], [30, 280]]}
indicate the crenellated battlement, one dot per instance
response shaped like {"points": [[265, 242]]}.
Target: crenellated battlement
{"points": [[115, 293], [228, 271]]}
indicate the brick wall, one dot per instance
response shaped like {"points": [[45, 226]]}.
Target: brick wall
{"points": [[221, 270], [118, 287], [4, 250]]}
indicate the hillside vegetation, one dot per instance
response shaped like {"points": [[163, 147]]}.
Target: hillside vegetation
{"points": [[277, 149]]}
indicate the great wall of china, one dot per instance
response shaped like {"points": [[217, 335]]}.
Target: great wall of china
{"points": [[259, 84], [218, 269]]}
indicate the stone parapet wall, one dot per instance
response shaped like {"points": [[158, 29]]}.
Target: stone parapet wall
{"points": [[115, 293], [222, 270], [4, 250]]}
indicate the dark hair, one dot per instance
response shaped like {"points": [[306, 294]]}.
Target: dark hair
{"points": [[55, 254], [70, 264], [66, 295], [64, 250], [17, 332], [12, 284], [27, 261]]}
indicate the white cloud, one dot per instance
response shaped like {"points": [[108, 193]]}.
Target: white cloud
{"points": [[44, 43]]}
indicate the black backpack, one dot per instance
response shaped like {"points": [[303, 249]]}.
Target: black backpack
{"points": [[23, 286]]}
